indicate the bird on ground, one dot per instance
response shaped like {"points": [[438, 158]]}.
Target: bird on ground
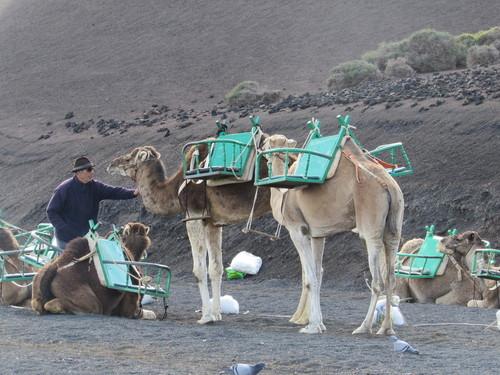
{"points": [[401, 346], [244, 369]]}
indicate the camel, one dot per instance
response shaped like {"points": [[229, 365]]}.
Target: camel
{"points": [[456, 286], [361, 196], [66, 286], [13, 294], [225, 204]]}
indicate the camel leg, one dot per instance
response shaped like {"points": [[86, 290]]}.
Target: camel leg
{"points": [[305, 244], [196, 234], [301, 314], [318, 246], [390, 246], [80, 301], [375, 248], [214, 244]]}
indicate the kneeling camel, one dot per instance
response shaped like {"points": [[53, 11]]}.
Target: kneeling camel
{"points": [[77, 289], [455, 286], [15, 294]]}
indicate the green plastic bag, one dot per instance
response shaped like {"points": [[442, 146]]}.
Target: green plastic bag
{"points": [[234, 275]]}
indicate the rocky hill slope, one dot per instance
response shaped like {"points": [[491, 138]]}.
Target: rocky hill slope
{"points": [[101, 78]]}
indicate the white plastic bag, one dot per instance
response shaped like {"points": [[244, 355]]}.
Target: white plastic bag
{"points": [[228, 305], [397, 316], [246, 262]]}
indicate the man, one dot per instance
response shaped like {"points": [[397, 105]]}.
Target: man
{"points": [[76, 201]]}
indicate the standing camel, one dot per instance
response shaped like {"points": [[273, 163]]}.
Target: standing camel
{"points": [[10, 293], [226, 204], [361, 195]]}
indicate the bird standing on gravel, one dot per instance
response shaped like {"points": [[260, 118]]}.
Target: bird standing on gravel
{"points": [[401, 346], [244, 369]]}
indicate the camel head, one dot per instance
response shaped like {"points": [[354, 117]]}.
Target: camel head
{"points": [[7, 240], [129, 164], [135, 239], [460, 244], [278, 158]]}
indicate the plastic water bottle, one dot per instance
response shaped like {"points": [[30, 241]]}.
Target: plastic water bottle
{"points": [[498, 319]]}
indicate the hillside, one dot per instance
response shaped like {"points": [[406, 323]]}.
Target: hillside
{"points": [[112, 61]]}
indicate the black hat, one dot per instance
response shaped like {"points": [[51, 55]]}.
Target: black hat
{"points": [[82, 163]]}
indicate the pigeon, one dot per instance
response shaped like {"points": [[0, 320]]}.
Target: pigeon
{"points": [[401, 346], [244, 369]]}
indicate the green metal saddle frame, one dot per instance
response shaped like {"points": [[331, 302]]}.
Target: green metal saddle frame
{"points": [[425, 263], [229, 154], [36, 249], [486, 264], [321, 152], [115, 271]]}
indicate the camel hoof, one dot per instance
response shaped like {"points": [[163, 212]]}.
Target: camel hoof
{"points": [[54, 307], [386, 331], [206, 319], [474, 303], [362, 329], [311, 329], [148, 315], [299, 321]]}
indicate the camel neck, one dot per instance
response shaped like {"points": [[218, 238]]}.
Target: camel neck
{"points": [[159, 193]]}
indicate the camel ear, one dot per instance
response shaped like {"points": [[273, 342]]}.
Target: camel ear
{"points": [[291, 143], [148, 228], [153, 152], [141, 156], [126, 230]]}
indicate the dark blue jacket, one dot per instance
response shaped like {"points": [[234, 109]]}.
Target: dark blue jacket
{"points": [[74, 204]]}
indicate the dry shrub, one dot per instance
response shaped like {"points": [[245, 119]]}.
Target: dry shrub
{"points": [[482, 55], [431, 51], [250, 93], [352, 73], [398, 68], [385, 52]]}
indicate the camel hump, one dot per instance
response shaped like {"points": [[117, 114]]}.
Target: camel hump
{"points": [[41, 287]]}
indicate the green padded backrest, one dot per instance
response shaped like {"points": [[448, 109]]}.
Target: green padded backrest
{"points": [[428, 248], [114, 273], [230, 155], [317, 166]]}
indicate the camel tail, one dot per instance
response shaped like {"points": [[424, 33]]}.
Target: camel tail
{"points": [[41, 287]]}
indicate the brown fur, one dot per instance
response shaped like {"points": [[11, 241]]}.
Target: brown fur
{"points": [[448, 289], [11, 294], [225, 204], [77, 289]]}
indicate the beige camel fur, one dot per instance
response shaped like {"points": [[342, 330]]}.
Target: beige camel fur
{"points": [[456, 286], [361, 195], [226, 204], [76, 288], [12, 294]]}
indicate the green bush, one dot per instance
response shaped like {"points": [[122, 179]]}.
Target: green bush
{"points": [[250, 93], [385, 52], [431, 51], [398, 68], [482, 55], [467, 39], [352, 73], [487, 37]]}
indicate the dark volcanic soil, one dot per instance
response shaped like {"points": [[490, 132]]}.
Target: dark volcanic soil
{"points": [[154, 73]]}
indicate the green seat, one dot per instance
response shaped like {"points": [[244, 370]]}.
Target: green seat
{"points": [[115, 271], [425, 262], [229, 155], [394, 158], [486, 264], [314, 161]]}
